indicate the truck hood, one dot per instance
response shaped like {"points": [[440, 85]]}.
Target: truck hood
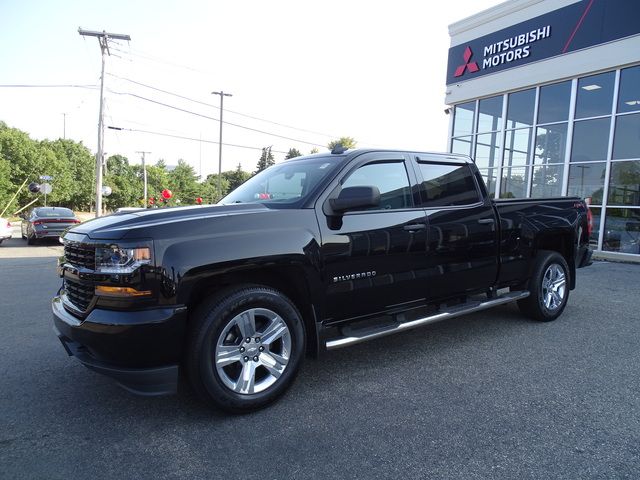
{"points": [[134, 224]]}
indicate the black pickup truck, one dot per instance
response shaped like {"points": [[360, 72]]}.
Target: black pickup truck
{"points": [[313, 254]]}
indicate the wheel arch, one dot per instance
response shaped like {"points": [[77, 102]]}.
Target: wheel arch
{"points": [[290, 280], [564, 244]]}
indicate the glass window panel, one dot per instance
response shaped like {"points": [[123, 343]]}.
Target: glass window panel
{"points": [[629, 94], [461, 145], [487, 149], [624, 183], [595, 233], [622, 230], [626, 139], [551, 143], [547, 181], [390, 178], [463, 118], [490, 114], [516, 147], [445, 185], [587, 180], [520, 108], [590, 140], [595, 94], [553, 105], [514, 182], [489, 177]]}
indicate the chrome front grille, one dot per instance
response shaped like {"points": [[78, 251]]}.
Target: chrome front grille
{"points": [[79, 294], [80, 255]]}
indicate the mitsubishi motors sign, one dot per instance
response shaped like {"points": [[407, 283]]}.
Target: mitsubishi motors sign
{"points": [[580, 25]]}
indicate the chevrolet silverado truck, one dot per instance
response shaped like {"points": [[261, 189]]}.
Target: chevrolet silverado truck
{"points": [[317, 253]]}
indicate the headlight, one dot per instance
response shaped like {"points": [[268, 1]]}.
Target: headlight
{"points": [[122, 259]]}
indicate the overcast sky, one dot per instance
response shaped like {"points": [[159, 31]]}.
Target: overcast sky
{"points": [[371, 70]]}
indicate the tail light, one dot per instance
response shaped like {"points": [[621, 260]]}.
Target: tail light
{"points": [[8, 224], [75, 220], [38, 222]]}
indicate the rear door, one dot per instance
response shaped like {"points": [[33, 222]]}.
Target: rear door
{"points": [[371, 258], [462, 251]]}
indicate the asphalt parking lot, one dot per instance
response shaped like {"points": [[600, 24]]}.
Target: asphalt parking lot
{"points": [[490, 395]]}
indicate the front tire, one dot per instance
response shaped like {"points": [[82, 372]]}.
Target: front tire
{"points": [[246, 347], [548, 287]]}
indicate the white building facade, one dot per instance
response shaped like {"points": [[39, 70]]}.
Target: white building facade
{"points": [[545, 96]]}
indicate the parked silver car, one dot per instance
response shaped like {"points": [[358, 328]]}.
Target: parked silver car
{"points": [[5, 229]]}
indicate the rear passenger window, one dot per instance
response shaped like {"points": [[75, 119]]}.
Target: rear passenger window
{"points": [[445, 185], [390, 178]]}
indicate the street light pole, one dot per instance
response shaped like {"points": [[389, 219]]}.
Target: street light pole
{"points": [[222, 95], [144, 176]]}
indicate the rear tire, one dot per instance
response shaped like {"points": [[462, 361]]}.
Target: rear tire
{"points": [[245, 348], [548, 287], [31, 240]]}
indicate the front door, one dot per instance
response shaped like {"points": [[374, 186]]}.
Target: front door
{"points": [[371, 258]]}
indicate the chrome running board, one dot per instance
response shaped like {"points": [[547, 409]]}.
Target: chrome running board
{"points": [[364, 334]]}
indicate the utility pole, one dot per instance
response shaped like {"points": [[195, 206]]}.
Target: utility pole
{"points": [[222, 95], [144, 176], [103, 39]]}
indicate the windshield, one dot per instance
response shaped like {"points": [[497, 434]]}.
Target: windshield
{"points": [[283, 184]]}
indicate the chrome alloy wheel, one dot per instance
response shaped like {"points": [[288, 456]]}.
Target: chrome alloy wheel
{"points": [[253, 351], [554, 287]]}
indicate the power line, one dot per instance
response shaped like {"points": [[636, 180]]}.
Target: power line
{"points": [[46, 86], [140, 97], [193, 139], [215, 106]]}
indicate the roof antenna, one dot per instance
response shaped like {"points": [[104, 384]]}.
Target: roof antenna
{"points": [[338, 149]]}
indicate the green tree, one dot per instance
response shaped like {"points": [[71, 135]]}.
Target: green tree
{"points": [[314, 150], [209, 188], [293, 153], [183, 183], [126, 186], [266, 160], [236, 177], [346, 142]]}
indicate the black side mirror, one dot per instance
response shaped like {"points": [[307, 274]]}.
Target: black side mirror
{"points": [[353, 198]]}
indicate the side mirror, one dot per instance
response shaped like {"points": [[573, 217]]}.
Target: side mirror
{"points": [[353, 198]]}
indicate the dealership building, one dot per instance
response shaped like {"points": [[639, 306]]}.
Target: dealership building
{"points": [[545, 96]]}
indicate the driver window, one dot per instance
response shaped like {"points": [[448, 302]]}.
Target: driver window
{"points": [[391, 179]]}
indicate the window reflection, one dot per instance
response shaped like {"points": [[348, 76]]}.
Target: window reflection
{"points": [[553, 105], [520, 108], [629, 95], [487, 150], [624, 183], [516, 147], [626, 140], [590, 140], [463, 118], [551, 143], [461, 145], [594, 95], [547, 181], [622, 230], [514, 182], [490, 114], [587, 180]]}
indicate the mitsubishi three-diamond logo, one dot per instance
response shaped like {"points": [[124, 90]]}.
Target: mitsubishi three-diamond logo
{"points": [[471, 66]]}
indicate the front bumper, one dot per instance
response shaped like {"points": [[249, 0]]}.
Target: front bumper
{"points": [[140, 350]]}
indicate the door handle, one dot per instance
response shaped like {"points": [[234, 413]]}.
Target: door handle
{"points": [[414, 227], [486, 221]]}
